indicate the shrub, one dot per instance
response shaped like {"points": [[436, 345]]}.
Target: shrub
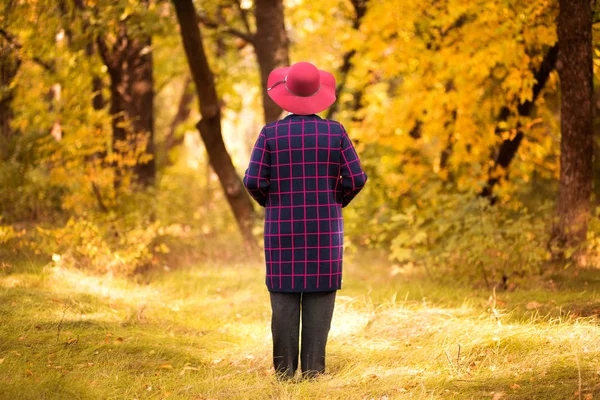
{"points": [[463, 237]]}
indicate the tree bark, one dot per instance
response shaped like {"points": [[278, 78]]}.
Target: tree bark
{"points": [[142, 90], [576, 148], [271, 48], [129, 65], [10, 61], [596, 141], [210, 124], [183, 113]]}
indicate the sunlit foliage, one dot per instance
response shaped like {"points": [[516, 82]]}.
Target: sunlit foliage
{"points": [[422, 97]]}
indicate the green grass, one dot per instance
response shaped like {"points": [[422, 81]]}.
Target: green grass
{"points": [[203, 332]]}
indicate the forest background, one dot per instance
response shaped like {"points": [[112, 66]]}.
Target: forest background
{"points": [[122, 144]]}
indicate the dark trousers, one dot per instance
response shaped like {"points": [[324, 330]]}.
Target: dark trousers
{"points": [[317, 310]]}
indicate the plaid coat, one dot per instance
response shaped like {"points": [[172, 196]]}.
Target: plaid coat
{"points": [[303, 170]]}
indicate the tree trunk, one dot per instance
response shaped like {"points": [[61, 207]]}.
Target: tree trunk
{"points": [[270, 43], [183, 113], [9, 65], [596, 142], [576, 148], [142, 102], [210, 124], [271, 48], [132, 96], [360, 8]]}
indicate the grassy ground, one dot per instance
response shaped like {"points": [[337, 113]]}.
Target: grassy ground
{"points": [[203, 332]]}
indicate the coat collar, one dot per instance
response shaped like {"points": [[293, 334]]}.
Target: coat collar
{"points": [[301, 117]]}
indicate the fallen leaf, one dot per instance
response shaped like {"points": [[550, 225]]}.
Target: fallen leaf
{"points": [[1, 360], [515, 386], [29, 372], [188, 368], [119, 340], [533, 304], [498, 396], [165, 366]]}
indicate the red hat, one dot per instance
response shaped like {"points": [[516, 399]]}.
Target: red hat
{"points": [[301, 88]]}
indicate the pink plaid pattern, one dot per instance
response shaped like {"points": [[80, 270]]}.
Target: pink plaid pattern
{"points": [[304, 169]]}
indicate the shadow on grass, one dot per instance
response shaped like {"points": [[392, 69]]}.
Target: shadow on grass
{"points": [[30, 388], [88, 363], [556, 382]]}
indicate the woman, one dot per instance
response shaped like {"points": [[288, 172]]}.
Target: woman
{"points": [[303, 170]]}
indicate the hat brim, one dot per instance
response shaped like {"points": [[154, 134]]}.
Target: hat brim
{"points": [[316, 103]]}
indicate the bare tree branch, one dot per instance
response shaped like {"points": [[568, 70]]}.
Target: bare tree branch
{"points": [[104, 52], [209, 23], [183, 113], [508, 148], [98, 195], [244, 15], [47, 66], [360, 8], [13, 41]]}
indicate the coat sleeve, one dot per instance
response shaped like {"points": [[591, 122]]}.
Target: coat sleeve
{"points": [[257, 176], [352, 176]]}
